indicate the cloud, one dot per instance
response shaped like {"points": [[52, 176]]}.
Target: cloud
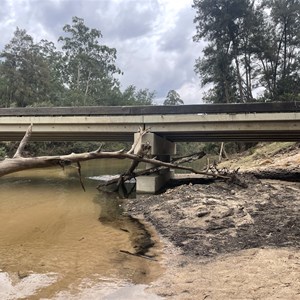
{"points": [[164, 59], [153, 38], [131, 19], [179, 36]]}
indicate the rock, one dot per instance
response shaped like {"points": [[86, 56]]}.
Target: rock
{"points": [[227, 213], [22, 275], [203, 213]]}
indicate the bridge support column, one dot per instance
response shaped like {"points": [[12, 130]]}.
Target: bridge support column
{"points": [[162, 149]]}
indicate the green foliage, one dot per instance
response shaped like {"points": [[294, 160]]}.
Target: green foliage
{"points": [[89, 67], [211, 148], [186, 148], [83, 73], [252, 44], [223, 23], [173, 98], [132, 96], [3, 152], [24, 71], [216, 68]]}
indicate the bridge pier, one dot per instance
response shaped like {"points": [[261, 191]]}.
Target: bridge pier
{"points": [[162, 149]]}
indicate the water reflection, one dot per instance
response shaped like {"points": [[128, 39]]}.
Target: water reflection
{"points": [[51, 239]]}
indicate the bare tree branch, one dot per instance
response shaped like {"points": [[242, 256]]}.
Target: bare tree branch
{"points": [[79, 175], [142, 132], [23, 142], [19, 163]]}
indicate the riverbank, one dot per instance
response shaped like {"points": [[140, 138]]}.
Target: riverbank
{"points": [[224, 241]]}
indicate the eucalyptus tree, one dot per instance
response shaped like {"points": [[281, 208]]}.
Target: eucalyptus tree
{"points": [[133, 96], [4, 100], [25, 73], [173, 98], [89, 68], [19, 60], [216, 68], [281, 64], [54, 59], [251, 43], [226, 25]]}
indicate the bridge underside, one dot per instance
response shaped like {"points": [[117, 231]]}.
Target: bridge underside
{"points": [[224, 136]]}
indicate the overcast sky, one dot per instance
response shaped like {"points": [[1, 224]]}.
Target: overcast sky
{"points": [[153, 38]]}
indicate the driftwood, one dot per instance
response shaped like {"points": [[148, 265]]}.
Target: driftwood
{"points": [[139, 255], [141, 152], [129, 175], [285, 174], [20, 163], [223, 152]]}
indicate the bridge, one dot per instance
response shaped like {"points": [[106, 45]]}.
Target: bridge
{"points": [[194, 123], [168, 125]]}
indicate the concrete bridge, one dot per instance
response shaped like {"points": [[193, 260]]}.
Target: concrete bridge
{"points": [[168, 124], [206, 122]]}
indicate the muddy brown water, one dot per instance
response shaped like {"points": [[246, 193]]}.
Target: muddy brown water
{"points": [[58, 242]]}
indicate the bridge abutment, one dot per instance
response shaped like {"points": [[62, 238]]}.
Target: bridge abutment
{"points": [[162, 149]]}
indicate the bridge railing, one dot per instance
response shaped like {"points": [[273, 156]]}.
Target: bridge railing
{"points": [[154, 110]]}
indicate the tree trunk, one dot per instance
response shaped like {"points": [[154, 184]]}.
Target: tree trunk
{"points": [[87, 87], [20, 163], [239, 77]]}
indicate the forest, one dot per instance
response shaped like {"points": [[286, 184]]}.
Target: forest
{"points": [[81, 72], [252, 51]]}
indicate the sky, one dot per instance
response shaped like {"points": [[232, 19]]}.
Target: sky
{"points": [[153, 38]]}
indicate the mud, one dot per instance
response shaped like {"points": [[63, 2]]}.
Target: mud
{"points": [[225, 241], [217, 218]]}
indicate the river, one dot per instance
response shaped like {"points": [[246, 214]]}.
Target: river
{"points": [[59, 242]]}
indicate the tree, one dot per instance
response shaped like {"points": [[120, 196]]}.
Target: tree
{"points": [[25, 73], [173, 98], [89, 66], [280, 62], [133, 96], [4, 99], [252, 43], [83, 73], [54, 60], [215, 67], [222, 22]]}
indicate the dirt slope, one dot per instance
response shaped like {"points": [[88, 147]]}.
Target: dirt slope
{"points": [[228, 242]]}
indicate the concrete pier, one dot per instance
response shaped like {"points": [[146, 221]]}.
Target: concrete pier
{"points": [[162, 149]]}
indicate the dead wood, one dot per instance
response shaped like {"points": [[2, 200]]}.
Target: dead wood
{"points": [[223, 153], [139, 255], [23, 142], [285, 174], [141, 132], [79, 175], [188, 158], [142, 152], [20, 163], [129, 175]]}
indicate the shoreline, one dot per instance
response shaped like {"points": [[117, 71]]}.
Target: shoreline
{"points": [[223, 241]]}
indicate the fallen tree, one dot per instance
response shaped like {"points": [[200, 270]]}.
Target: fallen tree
{"points": [[19, 163], [133, 174]]}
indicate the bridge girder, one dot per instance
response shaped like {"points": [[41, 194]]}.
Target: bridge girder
{"points": [[176, 128]]}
